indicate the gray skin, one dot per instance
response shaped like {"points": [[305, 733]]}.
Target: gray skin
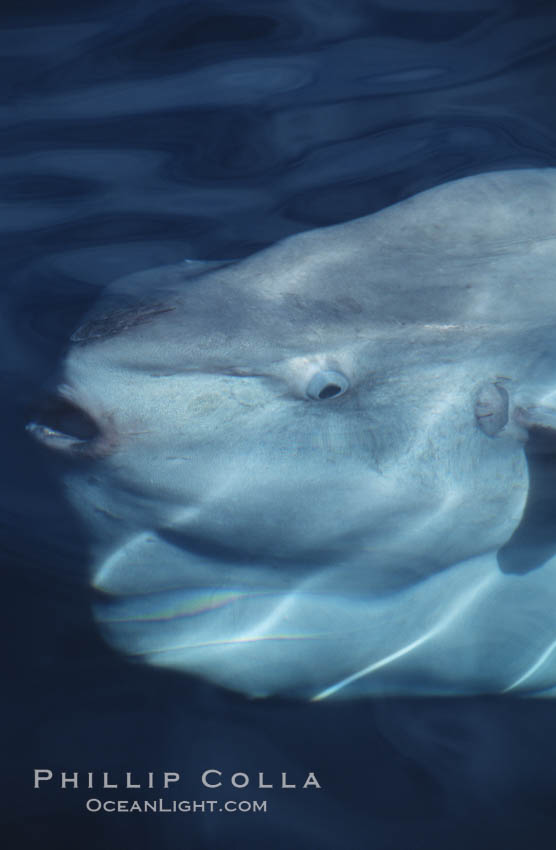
{"points": [[297, 469]]}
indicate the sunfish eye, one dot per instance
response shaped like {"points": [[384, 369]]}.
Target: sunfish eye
{"points": [[327, 384]]}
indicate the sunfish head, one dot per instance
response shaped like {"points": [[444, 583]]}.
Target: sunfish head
{"points": [[276, 455]]}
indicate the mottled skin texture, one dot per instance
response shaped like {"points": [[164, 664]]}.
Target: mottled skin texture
{"points": [[276, 541]]}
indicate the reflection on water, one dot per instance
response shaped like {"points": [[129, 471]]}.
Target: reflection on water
{"points": [[142, 134]]}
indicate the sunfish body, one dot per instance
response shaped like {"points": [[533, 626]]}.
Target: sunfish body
{"points": [[298, 468]]}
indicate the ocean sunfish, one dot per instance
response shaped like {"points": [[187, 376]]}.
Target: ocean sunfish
{"points": [[297, 469]]}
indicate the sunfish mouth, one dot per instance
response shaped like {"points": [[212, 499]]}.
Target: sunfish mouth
{"points": [[65, 426]]}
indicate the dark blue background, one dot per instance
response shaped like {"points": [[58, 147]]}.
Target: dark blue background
{"points": [[137, 134]]}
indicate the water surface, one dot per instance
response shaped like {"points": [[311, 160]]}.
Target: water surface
{"points": [[137, 134]]}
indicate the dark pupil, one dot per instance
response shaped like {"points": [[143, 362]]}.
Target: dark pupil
{"points": [[330, 390]]}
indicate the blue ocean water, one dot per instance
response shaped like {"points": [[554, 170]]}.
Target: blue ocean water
{"points": [[140, 134]]}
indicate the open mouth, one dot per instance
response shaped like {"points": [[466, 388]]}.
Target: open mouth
{"points": [[62, 425]]}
